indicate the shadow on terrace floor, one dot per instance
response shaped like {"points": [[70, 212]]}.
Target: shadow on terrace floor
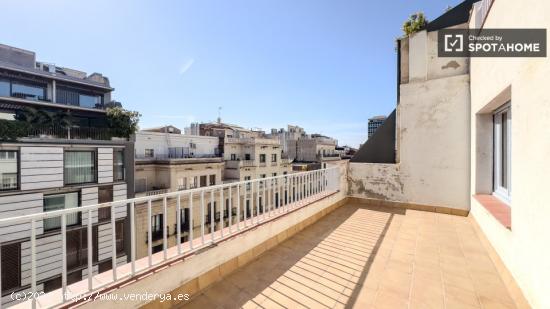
{"points": [[362, 256]]}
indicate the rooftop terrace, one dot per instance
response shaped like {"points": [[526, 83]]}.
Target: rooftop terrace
{"points": [[369, 256]]}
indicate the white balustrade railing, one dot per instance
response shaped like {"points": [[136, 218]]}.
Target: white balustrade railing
{"points": [[244, 205]]}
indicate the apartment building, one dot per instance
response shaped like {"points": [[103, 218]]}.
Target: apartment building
{"points": [[374, 123], [288, 139], [70, 159], [173, 161], [167, 161], [223, 131], [250, 158], [316, 148]]}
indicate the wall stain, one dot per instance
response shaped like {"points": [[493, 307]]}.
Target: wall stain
{"points": [[451, 65]]}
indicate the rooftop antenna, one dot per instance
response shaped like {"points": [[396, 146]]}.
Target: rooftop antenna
{"points": [[219, 114]]}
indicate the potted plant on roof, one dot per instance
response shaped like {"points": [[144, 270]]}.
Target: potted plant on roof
{"points": [[122, 123], [416, 22]]}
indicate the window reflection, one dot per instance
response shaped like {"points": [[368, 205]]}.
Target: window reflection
{"points": [[28, 91]]}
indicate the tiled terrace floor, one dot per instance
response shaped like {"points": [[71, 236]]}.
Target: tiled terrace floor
{"points": [[368, 257]]}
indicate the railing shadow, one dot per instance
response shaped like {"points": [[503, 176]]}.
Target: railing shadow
{"points": [[321, 266]]}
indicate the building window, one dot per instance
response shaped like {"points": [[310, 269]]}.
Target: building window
{"points": [[209, 213], [262, 158], [5, 87], [105, 195], [80, 167], [118, 165], [203, 181], [247, 156], [184, 219], [502, 128], [274, 174], [55, 283], [262, 176], [61, 201], [212, 180], [233, 157], [157, 248], [77, 248], [119, 227], [11, 267], [149, 153], [28, 91], [76, 97], [274, 157], [156, 226], [105, 266], [9, 176]]}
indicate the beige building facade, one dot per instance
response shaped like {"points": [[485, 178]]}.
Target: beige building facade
{"points": [[514, 90], [251, 158]]}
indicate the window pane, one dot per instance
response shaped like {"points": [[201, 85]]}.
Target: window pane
{"points": [[118, 165], [8, 170], [90, 101], [61, 201], [11, 266], [26, 91], [504, 149], [4, 88], [79, 167]]}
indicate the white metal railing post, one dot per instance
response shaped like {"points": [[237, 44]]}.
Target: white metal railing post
{"points": [[222, 209], [202, 218], [257, 204], [212, 216], [133, 236], [33, 261], [264, 198], [64, 256], [252, 202], [178, 223], [238, 208], [149, 234], [191, 220], [113, 242], [90, 250], [230, 208], [164, 229], [247, 202]]}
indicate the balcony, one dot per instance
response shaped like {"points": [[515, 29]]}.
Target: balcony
{"points": [[239, 163], [318, 249], [400, 259], [25, 131]]}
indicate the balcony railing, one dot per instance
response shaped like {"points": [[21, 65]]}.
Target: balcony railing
{"points": [[52, 132], [152, 192], [278, 195], [164, 156]]}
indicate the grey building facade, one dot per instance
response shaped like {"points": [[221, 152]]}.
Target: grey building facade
{"points": [[63, 155], [375, 123]]}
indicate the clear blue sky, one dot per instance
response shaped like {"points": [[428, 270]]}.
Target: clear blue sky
{"points": [[324, 65]]}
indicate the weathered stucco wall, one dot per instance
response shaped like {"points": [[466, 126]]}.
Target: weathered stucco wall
{"points": [[524, 249], [433, 168]]}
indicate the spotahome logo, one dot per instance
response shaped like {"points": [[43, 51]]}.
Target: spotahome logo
{"points": [[492, 43]]}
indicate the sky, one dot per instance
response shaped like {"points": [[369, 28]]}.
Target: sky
{"points": [[325, 65]]}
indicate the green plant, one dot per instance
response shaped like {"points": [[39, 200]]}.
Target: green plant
{"points": [[415, 23], [10, 130], [122, 123]]}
